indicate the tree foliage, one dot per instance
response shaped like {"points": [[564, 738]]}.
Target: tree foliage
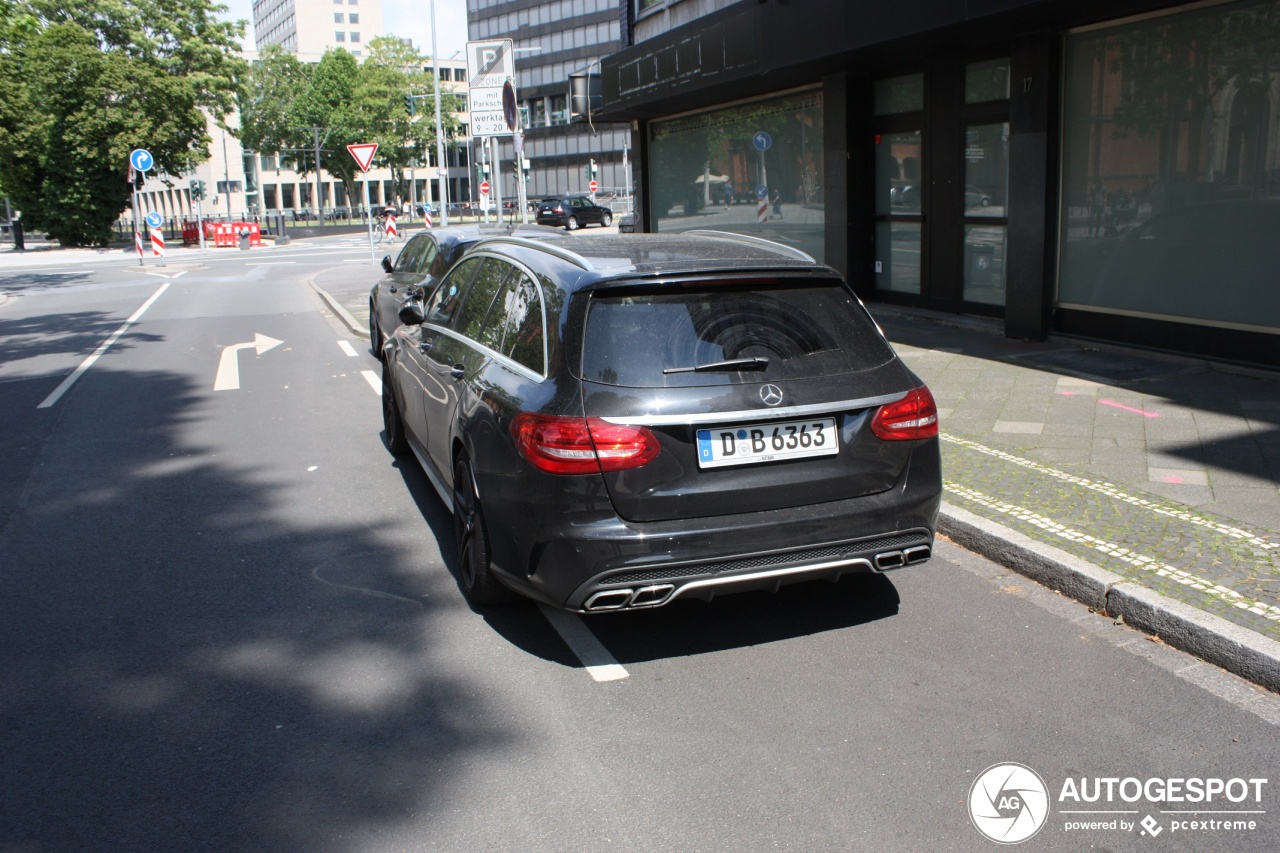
{"points": [[286, 103], [86, 83]]}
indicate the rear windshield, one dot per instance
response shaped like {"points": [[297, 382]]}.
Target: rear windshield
{"points": [[804, 331]]}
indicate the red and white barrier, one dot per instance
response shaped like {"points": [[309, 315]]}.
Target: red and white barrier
{"points": [[426, 219], [137, 243], [157, 243], [762, 210], [392, 233]]}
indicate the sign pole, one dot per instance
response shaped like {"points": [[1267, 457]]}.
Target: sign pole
{"points": [[365, 185], [363, 154]]}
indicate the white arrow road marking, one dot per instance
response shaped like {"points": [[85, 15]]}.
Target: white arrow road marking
{"points": [[103, 347], [595, 658], [228, 378]]}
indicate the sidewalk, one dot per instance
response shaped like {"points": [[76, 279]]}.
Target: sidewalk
{"points": [[1146, 485]]}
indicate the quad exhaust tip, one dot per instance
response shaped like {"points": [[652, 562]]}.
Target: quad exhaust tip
{"points": [[890, 560], [620, 599]]}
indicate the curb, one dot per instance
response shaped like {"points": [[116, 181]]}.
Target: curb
{"points": [[1211, 638], [356, 327]]}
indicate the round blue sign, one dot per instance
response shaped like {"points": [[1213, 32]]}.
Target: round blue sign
{"points": [[155, 220], [762, 191], [762, 141], [141, 160]]}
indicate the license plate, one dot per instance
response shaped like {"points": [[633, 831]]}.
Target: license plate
{"points": [[749, 444]]}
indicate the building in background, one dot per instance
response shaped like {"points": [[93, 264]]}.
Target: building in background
{"points": [[1110, 170], [310, 27], [555, 39]]}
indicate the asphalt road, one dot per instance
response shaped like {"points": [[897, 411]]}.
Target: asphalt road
{"points": [[229, 624]]}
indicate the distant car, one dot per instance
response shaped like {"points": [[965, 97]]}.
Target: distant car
{"points": [[974, 197], [571, 212], [425, 258], [627, 223], [618, 422]]}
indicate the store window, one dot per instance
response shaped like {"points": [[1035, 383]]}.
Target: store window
{"points": [[1171, 168], [717, 169]]}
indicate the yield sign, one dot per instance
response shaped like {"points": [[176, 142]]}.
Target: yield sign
{"points": [[363, 152]]}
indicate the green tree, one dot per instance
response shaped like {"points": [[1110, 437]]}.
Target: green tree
{"points": [[89, 82]]}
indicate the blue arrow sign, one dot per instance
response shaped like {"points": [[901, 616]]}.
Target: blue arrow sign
{"points": [[762, 141], [155, 220], [762, 191], [141, 160]]}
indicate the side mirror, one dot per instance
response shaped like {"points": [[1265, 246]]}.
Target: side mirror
{"points": [[386, 264], [411, 313]]}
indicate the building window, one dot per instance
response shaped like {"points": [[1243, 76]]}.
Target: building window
{"points": [[353, 18], [337, 17], [714, 162], [444, 74], [355, 36], [1171, 193], [340, 36]]}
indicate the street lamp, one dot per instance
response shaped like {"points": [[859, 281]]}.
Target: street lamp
{"points": [[443, 169]]}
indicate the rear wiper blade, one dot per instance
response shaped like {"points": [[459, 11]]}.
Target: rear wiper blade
{"points": [[758, 362]]}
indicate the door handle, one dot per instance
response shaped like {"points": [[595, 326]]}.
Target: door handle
{"points": [[425, 346], [457, 371]]}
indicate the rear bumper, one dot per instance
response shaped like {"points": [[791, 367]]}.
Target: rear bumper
{"points": [[589, 565]]}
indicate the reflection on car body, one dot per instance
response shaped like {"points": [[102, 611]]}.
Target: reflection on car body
{"points": [[636, 419]]}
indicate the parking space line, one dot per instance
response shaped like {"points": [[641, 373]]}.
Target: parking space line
{"points": [[595, 658], [102, 348], [375, 382], [346, 347]]}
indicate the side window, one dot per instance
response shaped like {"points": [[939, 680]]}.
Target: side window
{"points": [[475, 307], [407, 259], [524, 339], [422, 263], [444, 302]]}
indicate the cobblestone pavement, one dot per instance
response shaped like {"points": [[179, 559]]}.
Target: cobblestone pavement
{"points": [[1163, 470]]}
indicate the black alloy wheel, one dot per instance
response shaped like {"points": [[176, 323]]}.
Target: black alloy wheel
{"points": [[375, 333], [392, 423], [471, 539]]}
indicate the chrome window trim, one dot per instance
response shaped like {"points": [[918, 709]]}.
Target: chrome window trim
{"points": [[756, 414]]}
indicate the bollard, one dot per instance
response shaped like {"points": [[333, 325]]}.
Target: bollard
{"points": [[244, 239], [19, 240], [282, 235]]}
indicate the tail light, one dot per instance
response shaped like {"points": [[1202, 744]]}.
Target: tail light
{"points": [[582, 445], [914, 416]]}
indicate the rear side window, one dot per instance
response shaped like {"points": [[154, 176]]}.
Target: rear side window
{"points": [[422, 263], [480, 297], [805, 331], [409, 256], [524, 338]]}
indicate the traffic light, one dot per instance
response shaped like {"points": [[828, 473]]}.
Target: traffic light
{"points": [[411, 105], [197, 189]]}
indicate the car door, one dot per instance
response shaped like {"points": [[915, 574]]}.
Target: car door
{"points": [[422, 388], [456, 356]]}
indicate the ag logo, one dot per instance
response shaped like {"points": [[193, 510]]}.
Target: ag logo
{"points": [[1008, 803], [771, 395]]}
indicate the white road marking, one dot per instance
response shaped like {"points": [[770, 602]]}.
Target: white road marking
{"points": [[270, 263], [355, 261], [1138, 561], [599, 664], [228, 376], [375, 382], [102, 348], [346, 347], [1112, 491]]}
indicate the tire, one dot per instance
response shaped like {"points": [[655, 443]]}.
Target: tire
{"points": [[571, 224], [606, 220], [392, 422], [471, 540], [375, 333]]}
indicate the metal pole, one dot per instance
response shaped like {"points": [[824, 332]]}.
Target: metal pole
{"points": [[497, 178], [443, 166], [365, 183], [315, 135], [226, 174], [133, 213]]}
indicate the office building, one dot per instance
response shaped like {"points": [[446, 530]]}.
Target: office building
{"points": [[310, 27], [554, 39]]}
